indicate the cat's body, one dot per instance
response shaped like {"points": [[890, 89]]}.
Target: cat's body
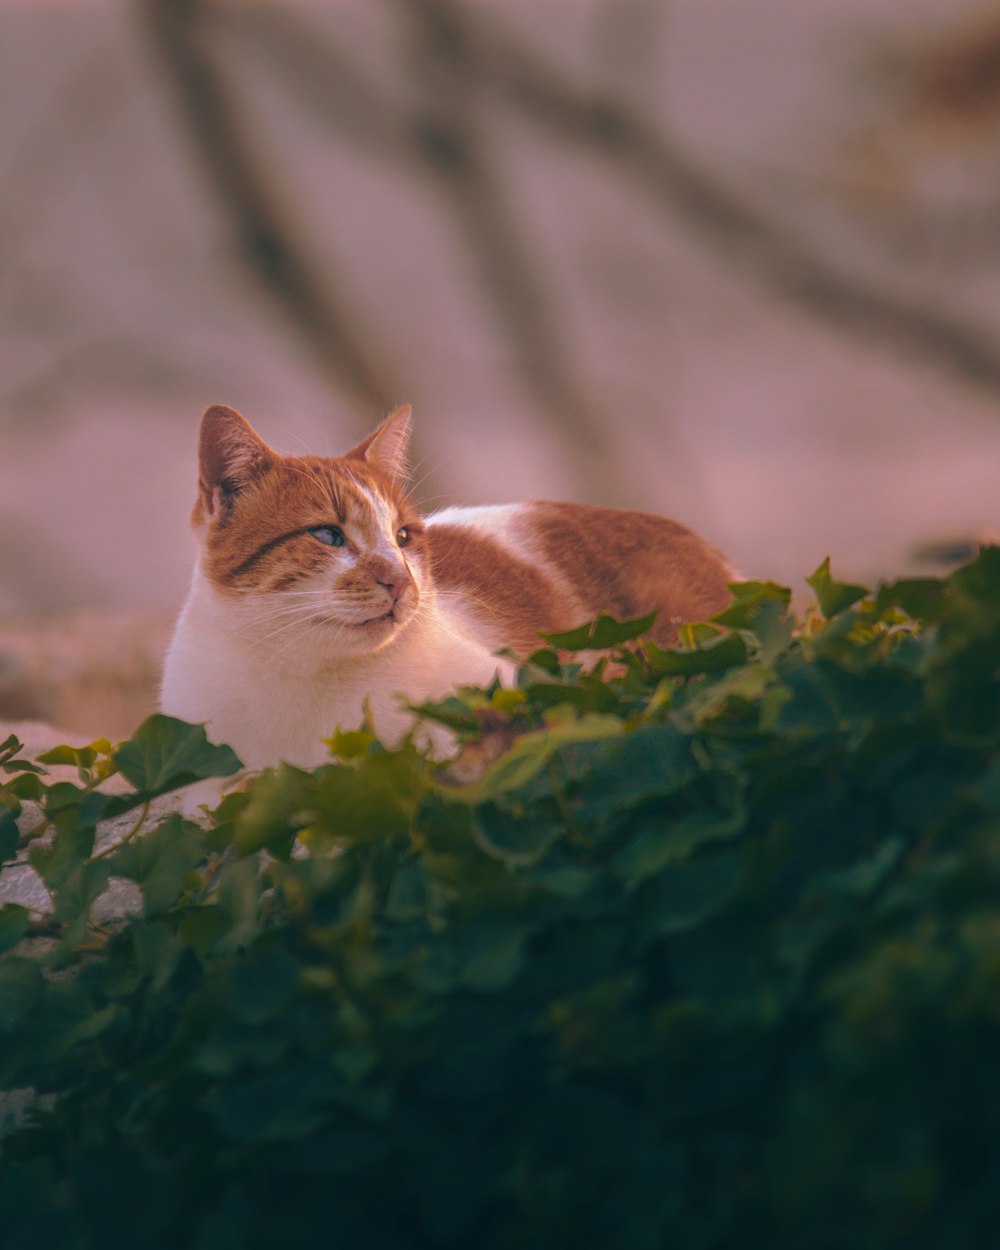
{"points": [[319, 589]]}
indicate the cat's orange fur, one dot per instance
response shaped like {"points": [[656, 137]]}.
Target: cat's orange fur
{"points": [[285, 635], [584, 560]]}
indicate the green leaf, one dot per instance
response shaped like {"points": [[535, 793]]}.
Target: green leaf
{"points": [[164, 754], [9, 836], [155, 950], [14, 921], [491, 954], [9, 764], [692, 891], [21, 766], [239, 900], [980, 579], [723, 651], [71, 849], [62, 796], [283, 1106], [518, 843], [26, 786], [278, 804], [533, 752], [76, 890], [603, 633], [20, 988], [159, 862], [748, 598], [352, 744], [372, 799], [82, 758], [664, 839], [650, 763], [204, 928], [453, 712], [409, 894], [833, 597], [586, 694], [262, 984], [921, 598]]}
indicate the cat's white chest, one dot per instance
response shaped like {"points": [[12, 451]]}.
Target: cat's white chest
{"points": [[272, 707]]}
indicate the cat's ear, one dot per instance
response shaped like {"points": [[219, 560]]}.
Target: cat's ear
{"points": [[231, 454], [389, 447]]}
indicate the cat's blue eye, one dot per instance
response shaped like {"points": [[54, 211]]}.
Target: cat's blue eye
{"points": [[328, 534]]}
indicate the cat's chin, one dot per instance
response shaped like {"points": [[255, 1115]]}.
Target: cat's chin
{"points": [[363, 637], [387, 618]]}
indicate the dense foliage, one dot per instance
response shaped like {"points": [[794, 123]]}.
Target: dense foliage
{"points": [[709, 958]]}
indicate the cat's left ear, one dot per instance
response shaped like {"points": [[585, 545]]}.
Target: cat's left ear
{"points": [[388, 448], [231, 455]]}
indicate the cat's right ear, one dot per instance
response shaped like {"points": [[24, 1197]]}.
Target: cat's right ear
{"points": [[230, 455]]}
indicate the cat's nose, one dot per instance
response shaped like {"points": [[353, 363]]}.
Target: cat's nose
{"points": [[395, 584]]}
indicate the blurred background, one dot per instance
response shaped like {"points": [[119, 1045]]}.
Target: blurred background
{"points": [[738, 264]]}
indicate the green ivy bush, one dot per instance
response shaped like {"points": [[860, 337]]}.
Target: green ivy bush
{"points": [[709, 958]]}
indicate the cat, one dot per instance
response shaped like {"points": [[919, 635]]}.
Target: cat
{"points": [[319, 590]]}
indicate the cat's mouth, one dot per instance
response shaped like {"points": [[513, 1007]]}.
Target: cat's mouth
{"points": [[385, 619]]}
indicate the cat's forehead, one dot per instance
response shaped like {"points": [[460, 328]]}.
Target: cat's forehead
{"points": [[352, 490]]}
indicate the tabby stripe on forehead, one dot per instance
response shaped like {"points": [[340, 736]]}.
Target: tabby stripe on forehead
{"points": [[262, 550]]}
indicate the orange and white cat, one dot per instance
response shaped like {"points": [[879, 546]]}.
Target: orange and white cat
{"points": [[319, 587]]}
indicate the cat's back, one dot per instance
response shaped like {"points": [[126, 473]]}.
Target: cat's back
{"points": [[512, 570]]}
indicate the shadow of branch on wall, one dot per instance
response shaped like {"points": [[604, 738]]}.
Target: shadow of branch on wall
{"points": [[327, 320]]}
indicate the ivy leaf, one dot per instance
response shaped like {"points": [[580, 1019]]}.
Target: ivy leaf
{"points": [[21, 766], [747, 600], [26, 786], [78, 889], [533, 752], [156, 951], [519, 843], [980, 579], [262, 984], [159, 862], [921, 598], [351, 744], [72, 847], [690, 892], [588, 694], [600, 634], [20, 988], [164, 754], [14, 921], [278, 806], [372, 802], [9, 764], [662, 839], [82, 758], [491, 954], [723, 651], [453, 712], [283, 1106], [651, 762], [832, 596], [9, 836]]}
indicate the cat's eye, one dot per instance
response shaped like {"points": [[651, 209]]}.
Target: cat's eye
{"points": [[331, 535], [403, 537]]}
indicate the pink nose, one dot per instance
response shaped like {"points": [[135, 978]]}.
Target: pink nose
{"points": [[395, 584]]}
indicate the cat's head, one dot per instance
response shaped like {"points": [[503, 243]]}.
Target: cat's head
{"points": [[309, 551]]}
